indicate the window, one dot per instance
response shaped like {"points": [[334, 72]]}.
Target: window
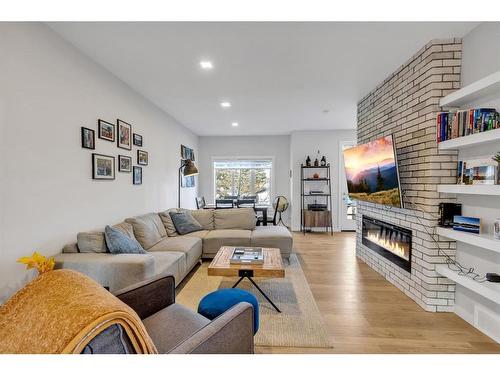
{"points": [[243, 178]]}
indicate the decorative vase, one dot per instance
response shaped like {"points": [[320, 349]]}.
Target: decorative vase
{"points": [[323, 161], [496, 229], [316, 162], [308, 161]]}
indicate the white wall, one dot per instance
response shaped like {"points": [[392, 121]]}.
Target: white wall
{"points": [[273, 146], [48, 90], [480, 57], [304, 143]]}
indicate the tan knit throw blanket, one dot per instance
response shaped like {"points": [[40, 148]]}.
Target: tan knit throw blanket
{"points": [[61, 312]]}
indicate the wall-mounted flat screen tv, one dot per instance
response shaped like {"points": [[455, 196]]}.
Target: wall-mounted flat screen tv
{"points": [[372, 172]]}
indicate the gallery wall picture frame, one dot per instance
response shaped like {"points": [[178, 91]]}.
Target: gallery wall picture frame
{"points": [[187, 153], [106, 130], [142, 157], [137, 140], [88, 138], [124, 164], [188, 181], [103, 167], [137, 175], [124, 135]]}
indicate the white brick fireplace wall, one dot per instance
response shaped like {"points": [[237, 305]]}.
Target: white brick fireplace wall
{"points": [[406, 105]]}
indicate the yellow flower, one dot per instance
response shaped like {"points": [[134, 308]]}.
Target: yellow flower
{"points": [[38, 261]]}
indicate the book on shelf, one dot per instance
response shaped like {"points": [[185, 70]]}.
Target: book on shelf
{"points": [[455, 124]]}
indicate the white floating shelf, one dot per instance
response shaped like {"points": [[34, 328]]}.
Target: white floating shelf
{"points": [[488, 290], [466, 141], [483, 241], [469, 189], [482, 88]]}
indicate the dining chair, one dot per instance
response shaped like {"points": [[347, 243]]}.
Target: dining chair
{"points": [[245, 202], [224, 203], [200, 203]]}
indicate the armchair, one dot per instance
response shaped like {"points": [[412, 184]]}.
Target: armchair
{"points": [[176, 329]]}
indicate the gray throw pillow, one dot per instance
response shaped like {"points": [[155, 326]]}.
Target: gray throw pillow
{"points": [[184, 222], [119, 243]]}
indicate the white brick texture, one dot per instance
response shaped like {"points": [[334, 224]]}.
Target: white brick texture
{"points": [[406, 105]]}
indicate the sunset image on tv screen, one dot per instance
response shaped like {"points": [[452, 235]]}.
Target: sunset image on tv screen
{"points": [[372, 173]]}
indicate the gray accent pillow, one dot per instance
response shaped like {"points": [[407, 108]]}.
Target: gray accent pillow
{"points": [[119, 243], [184, 222]]}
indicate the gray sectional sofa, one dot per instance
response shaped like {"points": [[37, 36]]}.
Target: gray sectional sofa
{"points": [[168, 252]]}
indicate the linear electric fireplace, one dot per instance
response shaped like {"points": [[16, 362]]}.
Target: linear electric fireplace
{"points": [[389, 240]]}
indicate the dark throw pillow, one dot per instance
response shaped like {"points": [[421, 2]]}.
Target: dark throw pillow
{"points": [[119, 243], [184, 222]]}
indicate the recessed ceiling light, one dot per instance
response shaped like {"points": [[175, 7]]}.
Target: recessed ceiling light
{"points": [[225, 104], [207, 65], [234, 124]]}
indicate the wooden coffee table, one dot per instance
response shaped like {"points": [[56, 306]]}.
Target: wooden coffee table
{"points": [[272, 268]]}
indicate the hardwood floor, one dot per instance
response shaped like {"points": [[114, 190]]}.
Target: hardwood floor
{"points": [[364, 313]]}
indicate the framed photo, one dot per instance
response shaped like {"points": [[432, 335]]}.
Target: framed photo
{"points": [[187, 153], [479, 172], [88, 138], [187, 181], [467, 224], [106, 130], [137, 140], [103, 167], [124, 135], [137, 176], [142, 157], [124, 163]]}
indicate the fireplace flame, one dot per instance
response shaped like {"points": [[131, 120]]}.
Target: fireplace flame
{"points": [[391, 245]]}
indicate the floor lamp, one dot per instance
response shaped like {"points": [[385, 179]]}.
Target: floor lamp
{"points": [[189, 170]]}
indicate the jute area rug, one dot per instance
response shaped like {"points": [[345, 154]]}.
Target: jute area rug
{"points": [[300, 323]]}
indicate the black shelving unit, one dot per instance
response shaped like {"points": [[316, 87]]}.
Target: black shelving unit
{"points": [[326, 198]]}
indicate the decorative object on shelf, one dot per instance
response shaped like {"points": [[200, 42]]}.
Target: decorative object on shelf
{"points": [[137, 175], [103, 167], [467, 224], [137, 140], [187, 171], [323, 161], [124, 135], [447, 211], [88, 138], [496, 229], [316, 175], [106, 130], [124, 164], [496, 158], [38, 261], [316, 162], [142, 157], [308, 161], [482, 171], [187, 153]]}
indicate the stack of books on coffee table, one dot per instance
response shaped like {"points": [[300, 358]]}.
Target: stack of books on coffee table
{"points": [[247, 255]]}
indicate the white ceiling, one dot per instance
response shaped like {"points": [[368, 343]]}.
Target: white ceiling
{"points": [[279, 77]]}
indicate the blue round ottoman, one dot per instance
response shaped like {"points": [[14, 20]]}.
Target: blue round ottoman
{"points": [[218, 302]]}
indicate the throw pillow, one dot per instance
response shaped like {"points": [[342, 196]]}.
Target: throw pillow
{"points": [[119, 243], [91, 242], [167, 222], [184, 222]]}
